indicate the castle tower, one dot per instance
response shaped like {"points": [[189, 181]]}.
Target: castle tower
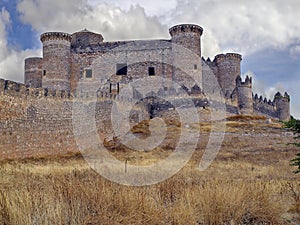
{"points": [[229, 68], [188, 36], [33, 72], [56, 60], [282, 104], [85, 38], [244, 94], [187, 54]]}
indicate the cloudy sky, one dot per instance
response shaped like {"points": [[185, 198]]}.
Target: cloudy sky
{"points": [[265, 32]]}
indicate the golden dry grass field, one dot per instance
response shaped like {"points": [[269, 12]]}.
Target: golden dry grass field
{"points": [[249, 182]]}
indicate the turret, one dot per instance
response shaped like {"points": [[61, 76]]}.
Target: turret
{"points": [[188, 36], [244, 94], [56, 60], [282, 105], [85, 38], [186, 48], [33, 72], [229, 68]]}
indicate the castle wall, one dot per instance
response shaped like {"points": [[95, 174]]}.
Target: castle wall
{"points": [[34, 125], [211, 85], [137, 55], [80, 62], [278, 108], [264, 108], [39, 122], [37, 119]]}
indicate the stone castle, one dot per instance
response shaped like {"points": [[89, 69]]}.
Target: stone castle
{"points": [[37, 115], [68, 58]]}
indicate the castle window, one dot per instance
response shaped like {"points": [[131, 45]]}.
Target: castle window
{"points": [[88, 73], [44, 72], [121, 69], [151, 71], [195, 67]]}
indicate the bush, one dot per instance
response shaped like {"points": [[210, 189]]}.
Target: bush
{"points": [[294, 125]]}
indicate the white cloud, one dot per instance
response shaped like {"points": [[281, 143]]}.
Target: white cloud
{"points": [[152, 8], [112, 21], [11, 60], [292, 87], [243, 26], [295, 51], [229, 26], [4, 21]]}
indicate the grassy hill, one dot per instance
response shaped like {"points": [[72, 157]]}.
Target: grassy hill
{"points": [[249, 182]]}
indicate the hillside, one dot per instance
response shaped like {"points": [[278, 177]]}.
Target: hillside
{"points": [[249, 182]]}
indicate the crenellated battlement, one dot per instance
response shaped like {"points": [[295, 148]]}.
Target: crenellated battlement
{"points": [[12, 88], [209, 62], [278, 108], [279, 96], [188, 36], [55, 36], [16, 89], [185, 28], [244, 95], [261, 99], [227, 56], [247, 82], [32, 61]]}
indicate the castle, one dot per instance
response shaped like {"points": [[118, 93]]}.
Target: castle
{"points": [[68, 58], [40, 111]]}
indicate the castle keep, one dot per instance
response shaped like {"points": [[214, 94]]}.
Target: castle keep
{"points": [[37, 116]]}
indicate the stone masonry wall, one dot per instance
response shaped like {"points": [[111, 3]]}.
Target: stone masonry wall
{"points": [[56, 60], [32, 124], [138, 56], [229, 68], [33, 72], [39, 122]]}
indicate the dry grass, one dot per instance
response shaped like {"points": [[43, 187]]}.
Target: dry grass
{"points": [[246, 118], [246, 184], [80, 196]]}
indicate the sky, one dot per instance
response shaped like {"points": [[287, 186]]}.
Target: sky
{"points": [[265, 32]]}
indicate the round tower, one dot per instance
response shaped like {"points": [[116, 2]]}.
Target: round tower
{"points": [[188, 36], [85, 38], [33, 72], [244, 94], [56, 60], [186, 50], [229, 68], [282, 104]]}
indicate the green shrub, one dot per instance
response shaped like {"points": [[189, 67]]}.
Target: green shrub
{"points": [[294, 125]]}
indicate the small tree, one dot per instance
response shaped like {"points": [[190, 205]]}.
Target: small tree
{"points": [[294, 125]]}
